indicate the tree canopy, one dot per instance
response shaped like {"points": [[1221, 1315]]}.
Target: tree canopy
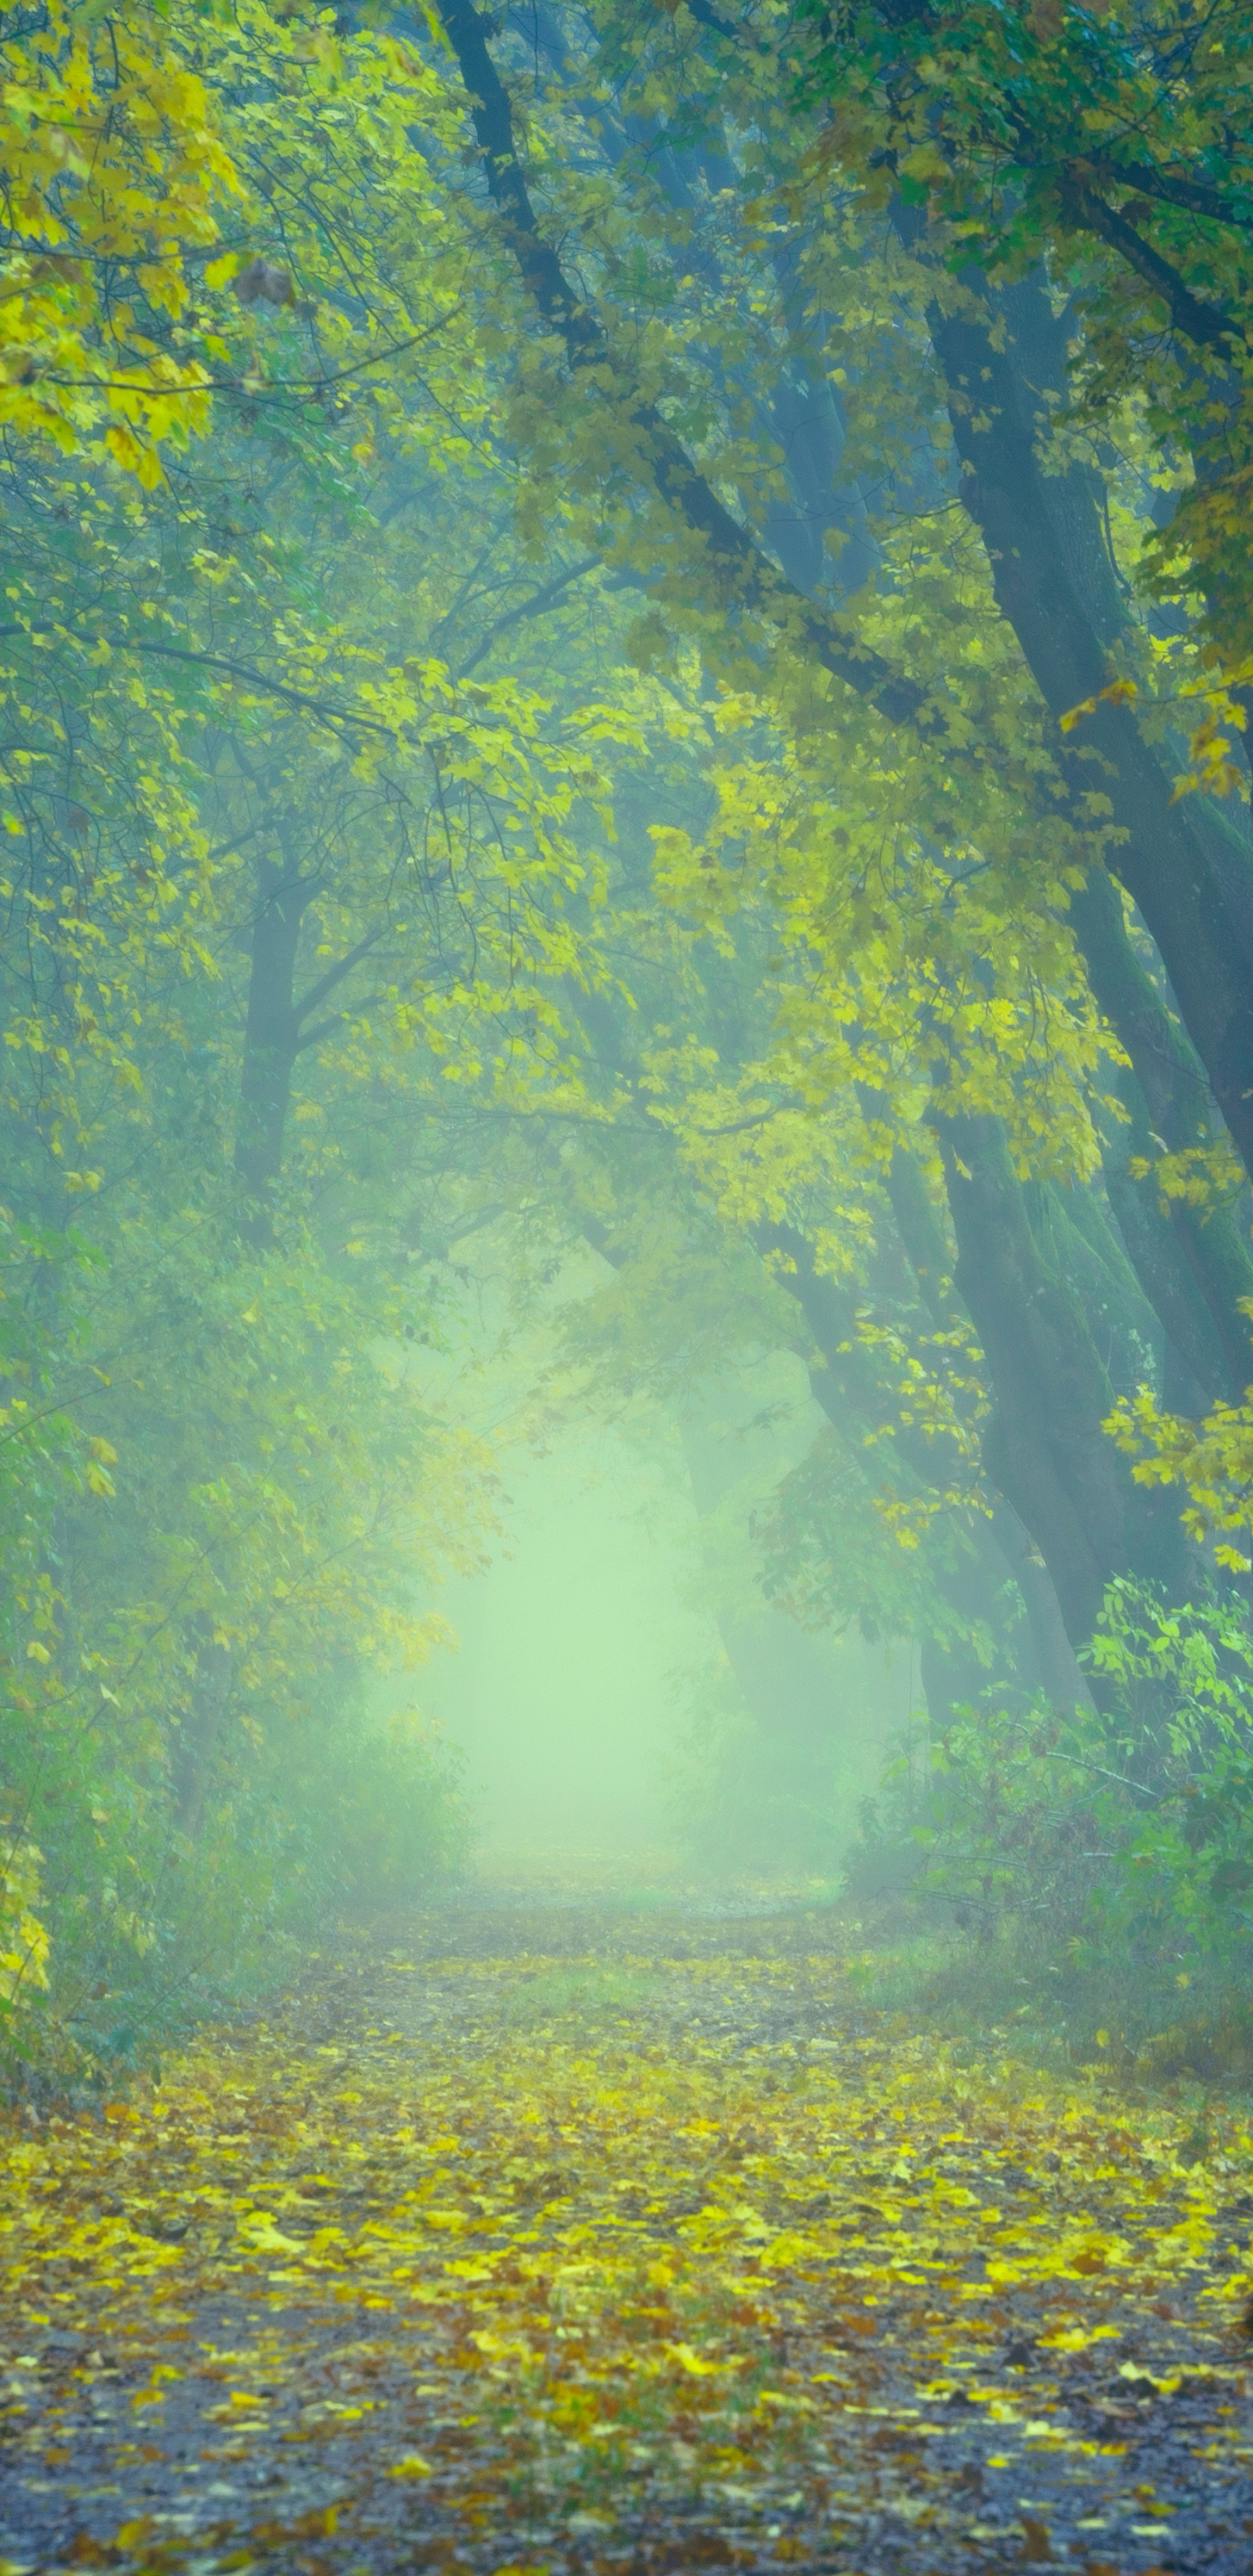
{"points": [[627, 634]]}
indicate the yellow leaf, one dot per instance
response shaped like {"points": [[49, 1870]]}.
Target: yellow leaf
{"points": [[1076, 2338], [263, 2237], [692, 2362], [1074, 715]]}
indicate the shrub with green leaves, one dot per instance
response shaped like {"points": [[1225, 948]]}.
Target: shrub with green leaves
{"points": [[1117, 1830]]}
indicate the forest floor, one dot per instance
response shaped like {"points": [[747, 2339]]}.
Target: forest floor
{"points": [[551, 2236]]}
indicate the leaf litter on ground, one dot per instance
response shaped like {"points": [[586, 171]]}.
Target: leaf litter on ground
{"points": [[552, 2240]]}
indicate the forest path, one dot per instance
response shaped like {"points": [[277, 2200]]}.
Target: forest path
{"points": [[581, 2238]]}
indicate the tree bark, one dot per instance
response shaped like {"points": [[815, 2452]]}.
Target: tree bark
{"points": [[922, 1235], [976, 1582], [1193, 884], [201, 1727], [1046, 1449], [271, 1034], [1193, 1263]]}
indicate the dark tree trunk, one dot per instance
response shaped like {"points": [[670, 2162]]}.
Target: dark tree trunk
{"points": [[976, 1581], [1062, 1677], [1192, 881], [918, 1224], [1046, 1449], [271, 1037], [1193, 1263], [201, 1727]]}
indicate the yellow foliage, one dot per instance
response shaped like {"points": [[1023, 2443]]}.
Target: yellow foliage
{"points": [[1211, 1460], [116, 174], [705, 2239], [23, 1938]]}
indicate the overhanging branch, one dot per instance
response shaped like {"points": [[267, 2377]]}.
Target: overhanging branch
{"points": [[736, 560], [535, 606], [1206, 325]]}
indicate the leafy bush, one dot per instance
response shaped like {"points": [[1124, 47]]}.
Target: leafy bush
{"points": [[119, 1927], [23, 1942], [1108, 1849], [387, 1816]]}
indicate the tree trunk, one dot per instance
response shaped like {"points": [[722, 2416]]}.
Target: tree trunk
{"points": [[1192, 881], [1193, 1263], [201, 1727], [922, 1235], [1045, 1448], [976, 1580], [271, 1036]]}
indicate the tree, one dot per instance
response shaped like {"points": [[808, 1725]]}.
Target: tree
{"points": [[1110, 149], [228, 742], [1191, 896], [577, 662]]}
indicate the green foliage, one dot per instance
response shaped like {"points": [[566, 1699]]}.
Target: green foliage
{"points": [[125, 1915], [277, 886], [386, 1816], [1181, 1690], [1110, 1845], [379, 871], [834, 1550], [1112, 146]]}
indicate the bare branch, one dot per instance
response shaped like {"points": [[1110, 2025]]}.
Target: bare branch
{"points": [[335, 974], [533, 607]]}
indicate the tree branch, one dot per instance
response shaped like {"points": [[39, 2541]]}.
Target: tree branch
{"points": [[1206, 325], [314, 1036], [735, 557], [335, 975], [1190, 194], [533, 607], [701, 11], [257, 680], [1099, 1771], [279, 689]]}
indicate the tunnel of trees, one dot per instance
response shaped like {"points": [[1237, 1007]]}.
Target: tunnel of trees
{"points": [[629, 631]]}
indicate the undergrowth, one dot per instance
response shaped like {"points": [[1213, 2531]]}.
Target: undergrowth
{"points": [[1083, 1876]]}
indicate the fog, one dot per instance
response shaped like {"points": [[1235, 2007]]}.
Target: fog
{"points": [[562, 1693], [616, 1681]]}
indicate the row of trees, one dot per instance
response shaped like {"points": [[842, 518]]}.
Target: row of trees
{"points": [[623, 630]]}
